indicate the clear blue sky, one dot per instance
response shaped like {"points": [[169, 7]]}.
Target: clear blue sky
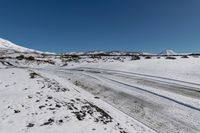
{"points": [[84, 25]]}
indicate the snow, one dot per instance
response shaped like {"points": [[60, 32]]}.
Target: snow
{"points": [[180, 68], [168, 52], [5, 44], [32, 98], [83, 94], [171, 52]]}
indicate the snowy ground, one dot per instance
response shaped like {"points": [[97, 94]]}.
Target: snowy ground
{"points": [[39, 102], [104, 94]]}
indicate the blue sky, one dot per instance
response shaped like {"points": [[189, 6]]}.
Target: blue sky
{"points": [[85, 25]]}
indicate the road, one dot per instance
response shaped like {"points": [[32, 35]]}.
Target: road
{"points": [[163, 104]]}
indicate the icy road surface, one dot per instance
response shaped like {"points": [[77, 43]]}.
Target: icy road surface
{"points": [[162, 104]]}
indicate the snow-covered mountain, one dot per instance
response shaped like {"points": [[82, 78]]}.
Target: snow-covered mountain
{"points": [[110, 53], [168, 52], [7, 45], [171, 52]]}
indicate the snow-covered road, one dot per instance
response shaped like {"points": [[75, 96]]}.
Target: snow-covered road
{"points": [[163, 104]]}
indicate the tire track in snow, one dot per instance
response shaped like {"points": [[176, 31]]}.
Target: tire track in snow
{"points": [[171, 123], [156, 94], [145, 75]]}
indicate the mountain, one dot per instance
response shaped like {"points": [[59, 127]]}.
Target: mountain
{"points": [[168, 52], [110, 53], [171, 52], [7, 45]]}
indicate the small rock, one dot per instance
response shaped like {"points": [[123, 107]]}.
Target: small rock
{"points": [[16, 111], [49, 97], [29, 97], [41, 106], [61, 121], [30, 125], [58, 106], [50, 120]]}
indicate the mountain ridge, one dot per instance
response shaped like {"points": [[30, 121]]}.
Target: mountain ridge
{"points": [[8, 45]]}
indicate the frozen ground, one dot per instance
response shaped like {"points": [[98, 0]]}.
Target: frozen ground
{"points": [[39, 102], [57, 93]]}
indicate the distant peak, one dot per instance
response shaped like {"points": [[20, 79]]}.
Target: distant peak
{"points": [[168, 52]]}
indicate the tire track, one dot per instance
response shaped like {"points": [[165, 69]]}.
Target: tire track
{"points": [[145, 75], [156, 94], [141, 110]]}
